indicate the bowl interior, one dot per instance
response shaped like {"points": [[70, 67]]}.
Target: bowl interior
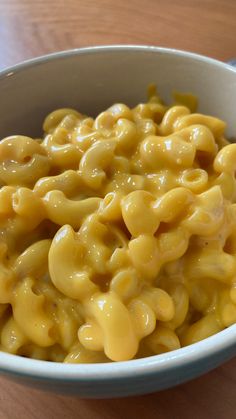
{"points": [[92, 79]]}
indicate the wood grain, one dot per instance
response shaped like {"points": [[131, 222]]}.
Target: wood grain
{"points": [[208, 397], [29, 28]]}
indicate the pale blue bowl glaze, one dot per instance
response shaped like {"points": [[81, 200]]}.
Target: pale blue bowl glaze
{"points": [[123, 378], [91, 79]]}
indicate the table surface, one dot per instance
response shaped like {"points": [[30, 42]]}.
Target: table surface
{"points": [[29, 28]]}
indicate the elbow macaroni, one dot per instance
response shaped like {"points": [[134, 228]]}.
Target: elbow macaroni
{"points": [[117, 233]]}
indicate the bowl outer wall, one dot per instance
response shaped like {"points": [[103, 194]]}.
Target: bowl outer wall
{"points": [[91, 79]]}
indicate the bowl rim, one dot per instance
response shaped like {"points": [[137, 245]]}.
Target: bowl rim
{"points": [[42, 59], [46, 370], [156, 364]]}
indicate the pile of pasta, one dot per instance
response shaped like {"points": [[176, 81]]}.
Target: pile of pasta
{"points": [[117, 234]]}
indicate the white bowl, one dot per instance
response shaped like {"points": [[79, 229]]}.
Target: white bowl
{"points": [[91, 79]]}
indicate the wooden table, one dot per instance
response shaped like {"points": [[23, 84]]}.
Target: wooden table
{"points": [[33, 27]]}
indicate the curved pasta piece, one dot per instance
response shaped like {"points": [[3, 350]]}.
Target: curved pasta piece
{"points": [[152, 111], [91, 336], [120, 165], [80, 355], [171, 118], [84, 135], [62, 154], [68, 320], [139, 214], [62, 210], [172, 152], [226, 309], [54, 118], [6, 194], [29, 313], [120, 111], [202, 329], [160, 302], [149, 253], [7, 276], [110, 208], [94, 162], [225, 160], [119, 260], [34, 260], [162, 340], [211, 263], [66, 313], [174, 202], [173, 244], [126, 135], [104, 122], [28, 207], [203, 293], [207, 214], [22, 160], [216, 125], [7, 280], [12, 337], [66, 265], [125, 283], [125, 183], [119, 339], [228, 185], [143, 317], [100, 242], [180, 297], [68, 182], [144, 254], [201, 136], [50, 353], [194, 179], [146, 127]]}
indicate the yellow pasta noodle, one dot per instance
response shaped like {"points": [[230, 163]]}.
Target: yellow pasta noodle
{"points": [[117, 233]]}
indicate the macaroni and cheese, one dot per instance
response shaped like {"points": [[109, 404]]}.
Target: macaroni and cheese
{"points": [[117, 234]]}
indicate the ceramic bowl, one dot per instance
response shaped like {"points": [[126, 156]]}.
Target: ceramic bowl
{"points": [[91, 79]]}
